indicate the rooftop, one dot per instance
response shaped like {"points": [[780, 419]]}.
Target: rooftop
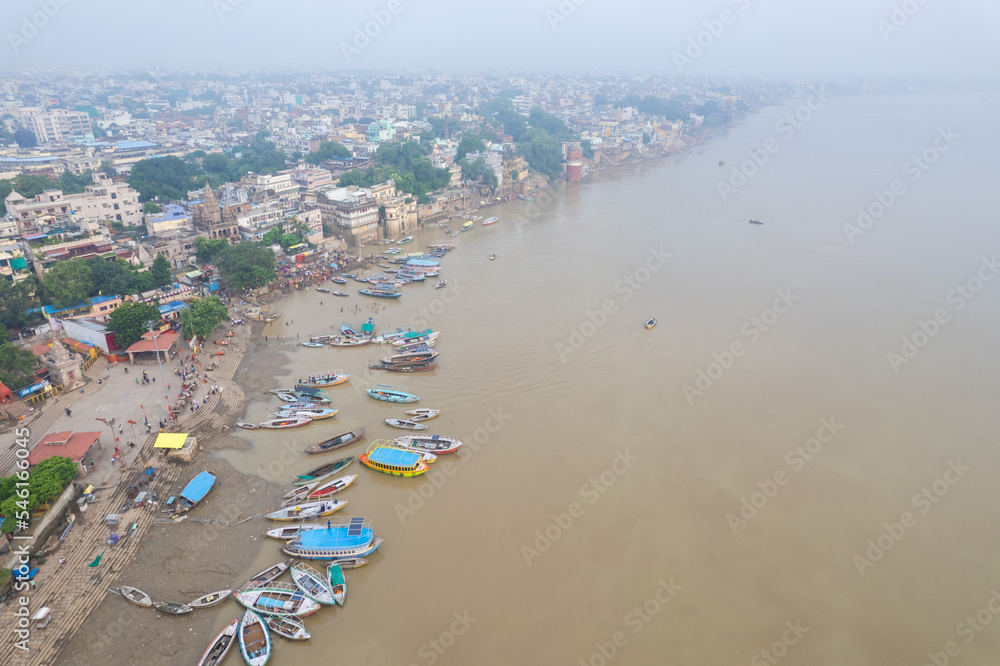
{"points": [[69, 444]]}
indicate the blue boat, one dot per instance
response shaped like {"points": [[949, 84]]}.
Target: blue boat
{"points": [[343, 538], [195, 491], [378, 293], [388, 393], [347, 329]]}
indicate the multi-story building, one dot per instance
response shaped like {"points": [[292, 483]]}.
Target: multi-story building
{"points": [[55, 124], [381, 130], [105, 200], [351, 211], [171, 222], [267, 187], [310, 177]]}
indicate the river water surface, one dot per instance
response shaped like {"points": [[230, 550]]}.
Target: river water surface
{"points": [[746, 476]]}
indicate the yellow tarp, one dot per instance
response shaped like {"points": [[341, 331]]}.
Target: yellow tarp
{"points": [[170, 440]]}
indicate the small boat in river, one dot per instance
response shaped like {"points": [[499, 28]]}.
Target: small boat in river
{"points": [[423, 414], [650, 323], [248, 426], [287, 626], [405, 425], [321, 490], [380, 293], [323, 290], [291, 531], [383, 456], [338, 280], [338, 584], [490, 220], [442, 283], [307, 511], [272, 318], [277, 599], [326, 469], [311, 344], [221, 646], [389, 393], [269, 574], [337, 441], [283, 423], [338, 293], [436, 444], [347, 341], [313, 584], [313, 413], [321, 379], [255, 641]]}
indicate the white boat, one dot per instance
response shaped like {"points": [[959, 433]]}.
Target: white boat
{"points": [[291, 531], [321, 491], [136, 596], [220, 647], [287, 626], [277, 599], [436, 444], [405, 425], [313, 584], [210, 599], [422, 414], [286, 422], [307, 510]]}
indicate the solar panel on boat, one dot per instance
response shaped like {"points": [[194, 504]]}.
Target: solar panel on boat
{"points": [[354, 528], [394, 457]]}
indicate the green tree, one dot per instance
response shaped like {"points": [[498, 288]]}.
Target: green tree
{"points": [[115, 277], [203, 316], [163, 177], [108, 169], [151, 208], [273, 236], [130, 320], [542, 151], [246, 265], [288, 240], [470, 143], [588, 150], [17, 366], [208, 248], [15, 301], [49, 478], [328, 150], [70, 183], [25, 138], [550, 123], [646, 139], [160, 271], [68, 282]]}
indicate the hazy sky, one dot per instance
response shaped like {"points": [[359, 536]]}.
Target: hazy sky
{"points": [[762, 37]]}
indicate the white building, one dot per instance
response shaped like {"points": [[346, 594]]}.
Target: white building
{"points": [[56, 124], [105, 200]]}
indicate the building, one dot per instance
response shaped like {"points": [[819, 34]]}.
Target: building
{"points": [[310, 177], [351, 211], [103, 201], [214, 221], [13, 265], [171, 221], [80, 447], [381, 130], [262, 188], [56, 124]]}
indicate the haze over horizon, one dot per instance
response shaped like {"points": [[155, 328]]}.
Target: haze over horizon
{"points": [[781, 38]]}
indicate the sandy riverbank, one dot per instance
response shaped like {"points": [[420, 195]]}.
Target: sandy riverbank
{"points": [[179, 562]]}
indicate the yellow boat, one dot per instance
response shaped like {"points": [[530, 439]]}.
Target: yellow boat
{"points": [[650, 323], [467, 226], [333, 378], [393, 460]]}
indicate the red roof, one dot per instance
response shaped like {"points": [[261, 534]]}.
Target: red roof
{"points": [[162, 342], [68, 443]]}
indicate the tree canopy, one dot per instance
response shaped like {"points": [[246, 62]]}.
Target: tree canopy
{"points": [[17, 366], [160, 271], [551, 124], [162, 177], [470, 143], [49, 478], [542, 151], [15, 301], [130, 320], [209, 248], [328, 150], [203, 316], [478, 170], [68, 283], [25, 138], [246, 265]]}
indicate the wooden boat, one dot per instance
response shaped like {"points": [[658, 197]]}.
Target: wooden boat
{"points": [[220, 647], [269, 574], [389, 393], [136, 596], [378, 293], [294, 422], [313, 584], [756, 222], [402, 358], [453, 235], [409, 347], [319, 380], [405, 425], [338, 280], [312, 344], [493, 257], [405, 240], [423, 414], [339, 293], [337, 441], [248, 426], [490, 220], [291, 531], [210, 599], [304, 394], [650, 323], [321, 490], [348, 275], [326, 469], [194, 491], [351, 562], [323, 290], [416, 336], [383, 265], [338, 584], [318, 413], [467, 226], [307, 510], [286, 626], [442, 283], [436, 444], [422, 366], [383, 456], [255, 641], [301, 405], [172, 609], [344, 341], [277, 599], [273, 317]]}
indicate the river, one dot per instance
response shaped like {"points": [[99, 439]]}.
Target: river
{"points": [[756, 479]]}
